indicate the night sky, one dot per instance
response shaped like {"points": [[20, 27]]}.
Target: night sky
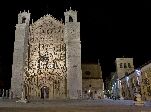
{"points": [[108, 30]]}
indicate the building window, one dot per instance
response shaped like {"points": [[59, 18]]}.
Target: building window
{"points": [[90, 85], [125, 65], [129, 65], [85, 92], [121, 65]]}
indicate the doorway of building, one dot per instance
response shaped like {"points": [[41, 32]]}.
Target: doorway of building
{"points": [[44, 92]]}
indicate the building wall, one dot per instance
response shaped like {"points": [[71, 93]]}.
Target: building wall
{"points": [[73, 55], [139, 82], [129, 86], [92, 85], [146, 82], [46, 60], [20, 49], [92, 82]]}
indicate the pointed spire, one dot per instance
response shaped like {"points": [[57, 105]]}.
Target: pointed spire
{"points": [[28, 11], [32, 21], [70, 8]]}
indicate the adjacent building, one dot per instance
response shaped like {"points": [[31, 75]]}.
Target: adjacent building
{"points": [[124, 66], [137, 82], [92, 82]]}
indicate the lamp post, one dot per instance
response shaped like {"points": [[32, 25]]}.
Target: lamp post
{"points": [[120, 90]]}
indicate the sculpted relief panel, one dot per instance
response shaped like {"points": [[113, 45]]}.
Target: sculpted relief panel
{"points": [[46, 58]]}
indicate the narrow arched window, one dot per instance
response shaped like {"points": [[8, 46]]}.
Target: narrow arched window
{"points": [[129, 65], [121, 65], [125, 65], [70, 19], [23, 19]]}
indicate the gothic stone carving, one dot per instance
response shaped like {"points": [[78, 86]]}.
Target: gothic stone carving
{"points": [[45, 63]]}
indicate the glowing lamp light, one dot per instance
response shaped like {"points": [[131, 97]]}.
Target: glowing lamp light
{"points": [[127, 78], [138, 72], [120, 82], [89, 91]]}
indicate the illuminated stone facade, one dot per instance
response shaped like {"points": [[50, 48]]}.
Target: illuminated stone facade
{"points": [[124, 66], [121, 87], [137, 81], [146, 82], [131, 85], [47, 58], [92, 82]]}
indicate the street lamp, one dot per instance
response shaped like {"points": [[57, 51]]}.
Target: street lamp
{"points": [[127, 79], [138, 72]]}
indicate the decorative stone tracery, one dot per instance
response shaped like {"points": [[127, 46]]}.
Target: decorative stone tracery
{"points": [[45, 62]]}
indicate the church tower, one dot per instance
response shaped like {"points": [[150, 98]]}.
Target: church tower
{"points": [[124, 66], [73, 55], [20, 48]]}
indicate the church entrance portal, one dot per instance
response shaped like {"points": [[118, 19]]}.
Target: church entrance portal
{"points": [[44, 92]]}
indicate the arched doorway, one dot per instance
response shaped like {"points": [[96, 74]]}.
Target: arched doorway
{"points": [[45, 92]]}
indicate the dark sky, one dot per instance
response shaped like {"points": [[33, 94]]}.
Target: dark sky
{"points": [[108, 29]]}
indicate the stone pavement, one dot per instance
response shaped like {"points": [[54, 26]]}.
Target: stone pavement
{"points": [[103, 105]]}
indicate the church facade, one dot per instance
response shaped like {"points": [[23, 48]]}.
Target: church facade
{"points": [[47, 58]]}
